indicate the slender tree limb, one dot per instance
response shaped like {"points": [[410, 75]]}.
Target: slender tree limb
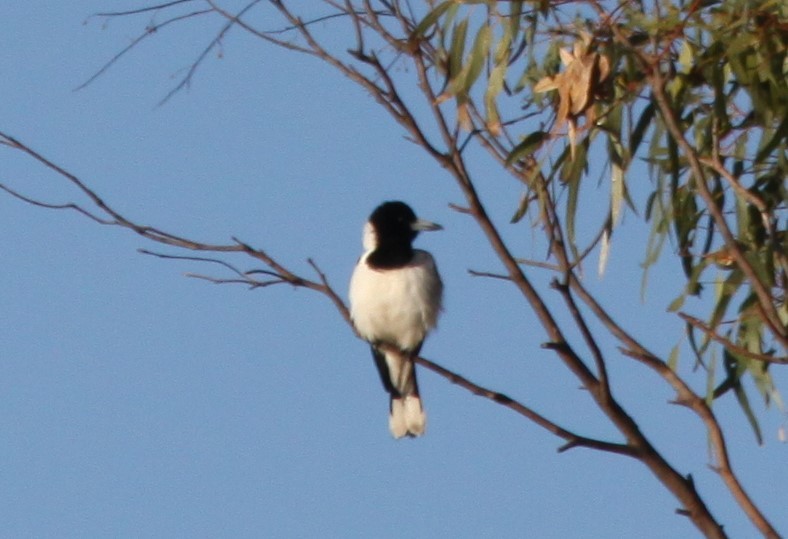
{"points": [[765, 299], [727, 343], [676, 483], [281, 275], [264, 35], [113, 217], [489, 275], [385, 91], [186, 79], [243, 277], [685, 397], [599, 360], [146, 9], [572, 439], [767, 218], [50, 206], [149, 31], [538, 264]]}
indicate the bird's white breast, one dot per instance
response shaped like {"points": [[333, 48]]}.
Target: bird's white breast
{"points": [[398, 306]]}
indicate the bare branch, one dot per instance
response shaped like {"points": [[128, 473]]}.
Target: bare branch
{"points": [[365, 67], [281, 275], [244, 277], [537, 264], [47, 205], [266, 36], [141, 10], [581, 324], [186, 80], [727, 343], [490, 275], [149, 31], [573, 440]]}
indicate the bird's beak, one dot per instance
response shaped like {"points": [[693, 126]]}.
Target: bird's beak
{"points": [[422, 225]]}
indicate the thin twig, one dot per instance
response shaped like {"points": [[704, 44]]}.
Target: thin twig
{"points": [[140, 10], [727, 343], [490, 275], [244, 276], [572, 439], [186, 79], [149, 31], [50, 206]]}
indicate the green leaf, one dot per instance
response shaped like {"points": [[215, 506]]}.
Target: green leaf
{"points": [[571, 212], [464, 75], [457, 49], [616, 191], [686, 56], [768, 145], [515, 13], [573, 169], [522, 208], [690, 331], [604, 248], [677, 303], [641, 127], [571, 173], [710, 379], [431, 18], [494, 88], [501, 54], [481, 46], [741, 396], [650, 205], [724, 293], [527, 146], [744, 402], [673, 358]]}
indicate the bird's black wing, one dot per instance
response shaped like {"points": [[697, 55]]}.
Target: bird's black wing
{"points": [[383, 369]]}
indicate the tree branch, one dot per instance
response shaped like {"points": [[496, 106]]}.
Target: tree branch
{"points": [[149, 31], [733, 347], [364, 66], [572, 439]]}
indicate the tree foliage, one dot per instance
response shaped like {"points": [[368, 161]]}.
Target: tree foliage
{"points": [[677, 111]]}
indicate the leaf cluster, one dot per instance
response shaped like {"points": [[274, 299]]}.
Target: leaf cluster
{"points": [[695, 95]]}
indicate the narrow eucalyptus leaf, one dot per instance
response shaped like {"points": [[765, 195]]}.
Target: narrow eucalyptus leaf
{"points": [[673, 358], [744, 403], [481, 47], [604, 251], [770, 144], [677, 303], [432, 18], [616, 191], [527, 146], [644, 122], [522, 208], [457, 49]]}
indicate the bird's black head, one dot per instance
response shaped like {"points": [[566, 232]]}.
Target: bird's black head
{"points": [[395, 227], [393, 222]]}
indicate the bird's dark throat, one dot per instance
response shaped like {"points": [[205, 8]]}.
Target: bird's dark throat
{"points": [[391, 256]]}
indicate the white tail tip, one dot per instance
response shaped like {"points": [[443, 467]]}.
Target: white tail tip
{"points": [[407, 417]]}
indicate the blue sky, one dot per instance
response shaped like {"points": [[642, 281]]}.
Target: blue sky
{"points": [[135, 401]]}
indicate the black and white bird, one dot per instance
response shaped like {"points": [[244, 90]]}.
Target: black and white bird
{"points": [[395, 299]]}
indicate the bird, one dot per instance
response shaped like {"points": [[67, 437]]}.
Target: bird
{"points": [[395, 298]]}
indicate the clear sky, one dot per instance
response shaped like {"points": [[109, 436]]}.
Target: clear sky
{"points": [[137, 402]]}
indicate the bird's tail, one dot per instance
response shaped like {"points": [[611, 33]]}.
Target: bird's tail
{"points": [[407, 417], [398, 374]]}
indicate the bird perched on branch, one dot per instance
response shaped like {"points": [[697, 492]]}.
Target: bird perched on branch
{"points": [[395, 298]]}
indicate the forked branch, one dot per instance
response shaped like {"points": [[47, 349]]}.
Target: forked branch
{"points": [[278, 274]]}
